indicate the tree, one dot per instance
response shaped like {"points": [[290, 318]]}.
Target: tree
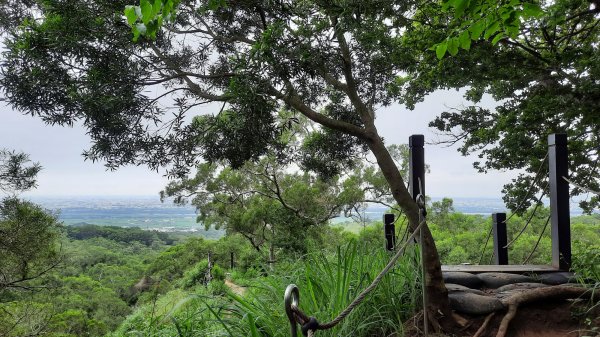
{"points": [[544, 77], [28, 241], [271, 204], [15, 174], [332, 63]]}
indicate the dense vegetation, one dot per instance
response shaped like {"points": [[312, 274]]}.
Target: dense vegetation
{"points": [[117, 281], [272, 66]]}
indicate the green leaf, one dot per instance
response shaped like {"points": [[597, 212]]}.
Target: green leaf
{"points": [[130, 15], [532, 10], [465, 40], [459, 7], [156, 7], [497, 38], [492, 29], [440, 50], [146, 7], [446, 4], [453, 44], [476, 29]]}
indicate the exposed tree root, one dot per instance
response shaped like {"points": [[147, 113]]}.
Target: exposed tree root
{"points": [[556, 292], [483, 326]]}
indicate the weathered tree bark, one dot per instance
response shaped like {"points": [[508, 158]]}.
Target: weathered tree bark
{"points": [[434, 282], [271, 256]]}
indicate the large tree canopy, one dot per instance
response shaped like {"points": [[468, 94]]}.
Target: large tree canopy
{"points": [[331, 62], [545, 78]]}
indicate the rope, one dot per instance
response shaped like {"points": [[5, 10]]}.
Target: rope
{"points": [[310, 324], [537, 205], [486, 243], [589, 190], [538, 241], [537, 175]]}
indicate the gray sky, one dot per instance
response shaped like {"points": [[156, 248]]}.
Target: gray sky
{"points": [[65, 173]]}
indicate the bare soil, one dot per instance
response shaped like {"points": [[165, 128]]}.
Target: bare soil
{"points": [[235, 288], [541, 319]]}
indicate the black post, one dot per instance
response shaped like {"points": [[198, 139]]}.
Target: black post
{"points": [[416, 180], [500, 241], [558, 158], [416, 165], [390, 231], [232, 264]]}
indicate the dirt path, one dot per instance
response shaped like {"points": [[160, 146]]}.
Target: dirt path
{"points": [[235, 288]]}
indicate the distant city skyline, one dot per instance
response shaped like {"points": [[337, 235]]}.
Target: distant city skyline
{"points": [[65, 173]]}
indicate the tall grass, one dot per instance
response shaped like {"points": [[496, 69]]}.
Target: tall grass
{"points": [[327, 283]]}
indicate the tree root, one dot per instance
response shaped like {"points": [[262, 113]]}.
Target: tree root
{"points": [[483, 326], [556, 292]]}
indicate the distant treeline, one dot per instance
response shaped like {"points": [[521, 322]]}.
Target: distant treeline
{"points": [[119, 234]]}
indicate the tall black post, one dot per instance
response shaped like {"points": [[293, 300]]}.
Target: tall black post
{"points": [[232, 261], [500, 240], [416, 164], [416, 180], [390, 231], [558, 158]]}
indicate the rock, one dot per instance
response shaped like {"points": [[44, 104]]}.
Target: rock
{"points": [[496, 280], [520, 286], [464, 279], [556, 278], [457, 287], [473, 304]]}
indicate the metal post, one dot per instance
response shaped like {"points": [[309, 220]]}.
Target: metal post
{"points": [[390, 231], [500, 240], [416, 179], [416, 165], [558, 156], [232, 262]]}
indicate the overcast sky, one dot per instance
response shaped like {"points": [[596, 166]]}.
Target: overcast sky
{"points": [[65, 173]]}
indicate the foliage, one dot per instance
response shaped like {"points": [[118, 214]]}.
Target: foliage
{"points": [[269, 203], [119, 234], [328, 282], [472, 20], [543, 78], [28, 247], [461, 238], [15, 173]]}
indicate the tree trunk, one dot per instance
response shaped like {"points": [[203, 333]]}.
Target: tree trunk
{"points": [[271, 256], [434, 283]]}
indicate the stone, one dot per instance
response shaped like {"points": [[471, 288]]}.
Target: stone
{"points": [[474, 304], [557, 278], [457, 287], [462, 278], [497, 280]]}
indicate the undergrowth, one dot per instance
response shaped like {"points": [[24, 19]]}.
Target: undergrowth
{"points": [[327, 283]]}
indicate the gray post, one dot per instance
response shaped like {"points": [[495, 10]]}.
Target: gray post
{"points": [[500, 239], [416, 164], [558, 159]]}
